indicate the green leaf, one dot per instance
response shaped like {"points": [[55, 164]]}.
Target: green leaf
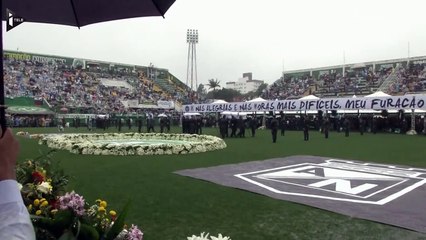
{"points": [[64, 219], [88, 232], [119, 223], [67, 236]]}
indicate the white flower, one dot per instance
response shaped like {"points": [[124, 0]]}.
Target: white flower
{"points": [[45, 187], [205, 237], [220, 237], [201, 237], [19, 186], [97, 152]]}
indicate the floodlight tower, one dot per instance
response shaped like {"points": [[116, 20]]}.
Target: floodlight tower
{"points": [[191, 70]]}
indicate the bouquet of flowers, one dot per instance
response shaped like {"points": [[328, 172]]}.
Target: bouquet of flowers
{"points": [[57, 214], [73, 218], [40, 179]]}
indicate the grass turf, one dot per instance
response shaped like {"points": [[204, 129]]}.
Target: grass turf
{"points": [[168, 206]]}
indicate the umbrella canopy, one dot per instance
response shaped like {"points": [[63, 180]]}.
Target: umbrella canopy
{"points": [[309, 97], [75, 13], [219, 101], [378, 94], [259, 99], [191, 114], [84, 12]]}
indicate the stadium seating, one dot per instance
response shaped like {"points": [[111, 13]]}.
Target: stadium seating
{"points": [[97, 88], [394, 78]]}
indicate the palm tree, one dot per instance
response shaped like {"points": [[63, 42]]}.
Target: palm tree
{"points": [[213, 83]]}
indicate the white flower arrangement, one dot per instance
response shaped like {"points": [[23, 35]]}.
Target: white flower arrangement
{"points": [[45, 187], [133, 143], [206, 237]]}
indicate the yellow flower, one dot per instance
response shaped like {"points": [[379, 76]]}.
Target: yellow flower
{"points": [[30, 207], [54, 211], [38, 212], [43, 199], [112, 213], [36, 202], [103, 204], [101, 209], [98, 201], [44, 204]]}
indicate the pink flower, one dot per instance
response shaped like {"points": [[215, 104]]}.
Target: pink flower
{"points": [[72, 201], [134, 233]]}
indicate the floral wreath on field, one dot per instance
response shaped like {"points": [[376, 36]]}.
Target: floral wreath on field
{"points": [[87, 143]]}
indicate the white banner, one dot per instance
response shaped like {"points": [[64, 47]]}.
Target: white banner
{"points": [[76, 115], [359, 103], [166, 104], [133, 103]]}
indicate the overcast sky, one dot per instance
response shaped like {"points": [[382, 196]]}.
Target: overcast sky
{"points": [[237, 36]]}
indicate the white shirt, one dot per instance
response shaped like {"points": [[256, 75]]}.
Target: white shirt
{"points": [[15, 223]]}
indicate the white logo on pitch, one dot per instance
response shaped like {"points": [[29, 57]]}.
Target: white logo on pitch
{"points": [[339, 180]]}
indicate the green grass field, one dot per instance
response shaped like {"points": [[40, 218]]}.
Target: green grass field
{"points": [[168, 206]]}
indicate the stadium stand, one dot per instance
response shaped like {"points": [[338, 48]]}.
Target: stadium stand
{"points": [[88, 86], [399, 76]]}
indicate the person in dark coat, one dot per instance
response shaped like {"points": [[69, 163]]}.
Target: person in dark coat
{"points": [[104, 123], [129, 123], [346, 125], [199, 125], [404, 126], [326, 127], [223, 126], [242, 127], [120, 123], [184, 124], [150, 124], [139, 124], [168, 124], [374, 125], [253, 125], [282, 126], [233, 127], [162, 124], [192, 125], [274, 129], [305, 126], [361, 125]]}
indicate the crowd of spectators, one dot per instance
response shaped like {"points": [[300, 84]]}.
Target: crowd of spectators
{"points": [[409, 79], [358, 81], [355, 81], [66, 87], [288, 87]]}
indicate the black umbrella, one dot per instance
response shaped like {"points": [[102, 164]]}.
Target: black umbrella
{"points": [[74, 13]]}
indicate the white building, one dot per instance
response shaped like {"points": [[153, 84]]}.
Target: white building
{"points": [[245, 84]]}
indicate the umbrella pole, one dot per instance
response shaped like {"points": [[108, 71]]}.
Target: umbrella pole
{"points": [[2, 104]]}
